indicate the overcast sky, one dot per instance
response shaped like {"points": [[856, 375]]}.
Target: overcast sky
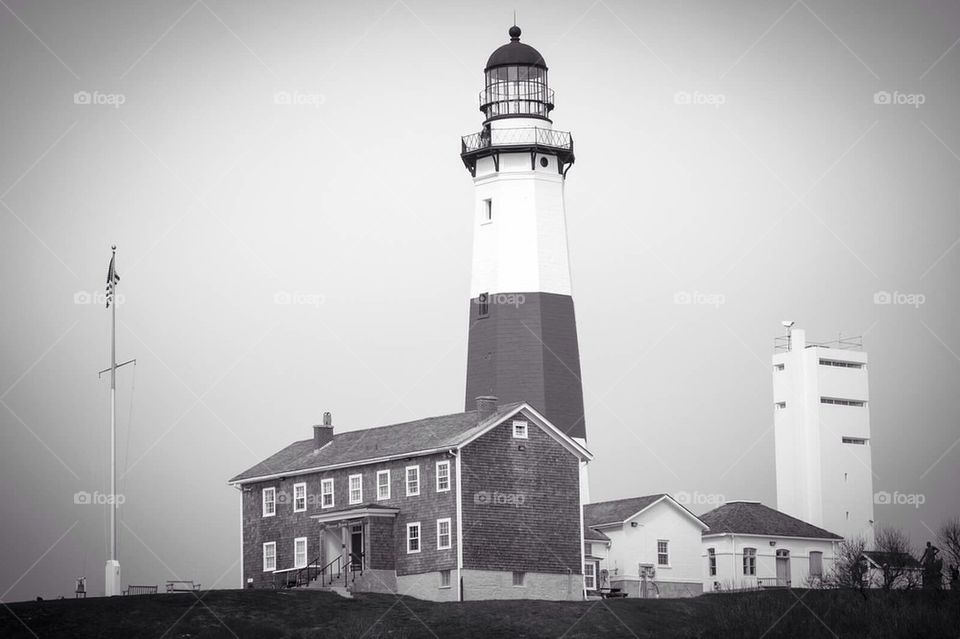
{"points": [[734, 151]]}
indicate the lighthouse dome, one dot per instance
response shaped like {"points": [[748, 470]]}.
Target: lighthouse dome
{"points": [[515, 53], [516, 82]]}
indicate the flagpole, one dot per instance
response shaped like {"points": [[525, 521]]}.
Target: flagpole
{"points": [[112, 585], [113, 421], [112, 569]]}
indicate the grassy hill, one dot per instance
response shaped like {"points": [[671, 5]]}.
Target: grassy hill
{"points": [[264, 614]]}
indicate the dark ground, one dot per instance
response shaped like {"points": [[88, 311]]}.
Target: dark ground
{"points": [[263, 614]]}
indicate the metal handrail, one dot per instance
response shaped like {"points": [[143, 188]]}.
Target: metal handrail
{"points": [[338, 560], [521, 136], [772, 582], [783, 344]]}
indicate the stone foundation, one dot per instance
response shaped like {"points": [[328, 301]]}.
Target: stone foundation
{"points": [[494, 584]]}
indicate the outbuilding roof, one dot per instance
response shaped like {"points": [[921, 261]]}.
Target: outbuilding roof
{"points": [[753, 518], [621, 510]]}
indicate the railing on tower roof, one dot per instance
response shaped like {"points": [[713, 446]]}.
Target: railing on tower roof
{"points": [[782, 344]]}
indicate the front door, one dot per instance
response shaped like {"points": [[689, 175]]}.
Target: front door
{"points": [[356, 547], [783, 568]]}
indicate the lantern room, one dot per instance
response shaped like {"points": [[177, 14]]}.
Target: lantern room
{"points": [[516, 82]]}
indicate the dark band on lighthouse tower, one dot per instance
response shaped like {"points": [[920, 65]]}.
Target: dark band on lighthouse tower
{"points": [[523, 333]]}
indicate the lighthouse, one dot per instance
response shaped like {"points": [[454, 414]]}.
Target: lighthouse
{"points": [[522, 328]]}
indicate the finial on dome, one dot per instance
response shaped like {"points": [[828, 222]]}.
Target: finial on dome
{"points": [[514, 33]]}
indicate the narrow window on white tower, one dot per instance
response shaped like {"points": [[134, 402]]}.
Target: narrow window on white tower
{"points": [[483, 305], [487, 211]]}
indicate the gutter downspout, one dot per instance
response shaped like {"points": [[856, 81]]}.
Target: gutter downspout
{"points": [[583, 559], [242, 576], [733, 557], [458, 453]]}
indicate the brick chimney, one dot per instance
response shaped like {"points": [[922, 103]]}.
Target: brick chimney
{"points": [[486, 406], [323, 434]]}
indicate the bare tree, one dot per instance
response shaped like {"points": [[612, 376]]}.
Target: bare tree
{"points": [[898, 566], [949, 538], [850, 566]]}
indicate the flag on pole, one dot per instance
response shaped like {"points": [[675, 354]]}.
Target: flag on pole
{"points": [[112, 278]]}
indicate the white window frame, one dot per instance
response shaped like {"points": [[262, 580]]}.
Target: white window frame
{"points": [[306, 558], [359, 499], [383, 473], [449, 544], [666, 544], [406, 480], [273, 545], [486, 214], [273, 501], [443, 464], [750, 561], [411, 526], [524, 429], [590, 576], [810, 566], [523, 578], [296, 487], [445, 573], [324, 492], [711, 562]]}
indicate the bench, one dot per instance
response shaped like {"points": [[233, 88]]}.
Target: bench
{"points": [[140, 590], [182, 586], [612, 593]]}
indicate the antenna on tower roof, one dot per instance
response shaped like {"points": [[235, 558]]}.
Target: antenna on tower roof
{"points": [[514, 17]]}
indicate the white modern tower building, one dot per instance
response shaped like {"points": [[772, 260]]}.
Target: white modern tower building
{"points": [[822, 434], [523, 335]]}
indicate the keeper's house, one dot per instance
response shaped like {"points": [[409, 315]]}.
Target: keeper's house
{"points": [[483, 504]]}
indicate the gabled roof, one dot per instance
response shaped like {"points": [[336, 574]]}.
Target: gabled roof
{"points": [[591, 534], [753, 518], [894, 559], [619, 511], [408, 439]]}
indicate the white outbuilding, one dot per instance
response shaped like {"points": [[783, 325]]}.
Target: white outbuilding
{"points": [[749, 545], [652, 546]]}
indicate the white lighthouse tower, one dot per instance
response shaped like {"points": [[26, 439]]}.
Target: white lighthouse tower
{"points": [[523, 334], [822, 433]]}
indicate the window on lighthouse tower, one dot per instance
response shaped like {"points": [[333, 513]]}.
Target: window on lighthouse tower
{"points": [[483, 305]]}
